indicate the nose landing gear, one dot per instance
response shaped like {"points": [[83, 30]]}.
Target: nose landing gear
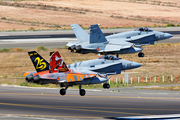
{"points": [[82, 92]]}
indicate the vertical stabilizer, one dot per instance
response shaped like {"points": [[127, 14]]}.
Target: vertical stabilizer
{"points": [[39, 62], [56, 63], [81, 35], [96, 35]]}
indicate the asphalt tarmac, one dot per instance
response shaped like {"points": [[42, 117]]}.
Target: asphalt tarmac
{"points": [[58, 39], [46, 103]]}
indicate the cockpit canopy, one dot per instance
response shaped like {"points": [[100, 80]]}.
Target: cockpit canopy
{"points": [[145, 29], [109, 57]]}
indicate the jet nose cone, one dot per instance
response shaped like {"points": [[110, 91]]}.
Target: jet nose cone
{"points": [[136, 64], [167, 35]]}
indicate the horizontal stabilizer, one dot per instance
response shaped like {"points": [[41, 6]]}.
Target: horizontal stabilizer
{"points": [[81, 35], [72, 43], [96, 35]]}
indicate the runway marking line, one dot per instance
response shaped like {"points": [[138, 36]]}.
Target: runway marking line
{"points": [[93, 96], [51, 106], [82, 108], [54, 107], [51, 116]]}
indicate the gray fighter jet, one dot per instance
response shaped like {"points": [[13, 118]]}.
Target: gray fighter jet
{"points": [[121, 43], [107, 64], [94, 71]]}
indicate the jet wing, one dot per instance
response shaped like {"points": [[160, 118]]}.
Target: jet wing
{"points": [[107, 68], [113, 45], [82, 70], [79, 75], [110, 67], [123, 43]]}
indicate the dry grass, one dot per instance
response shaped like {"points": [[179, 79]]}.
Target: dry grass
{"points": [[60, 14]]}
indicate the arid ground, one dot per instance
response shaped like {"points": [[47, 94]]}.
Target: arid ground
{"points": [[23, 15]]}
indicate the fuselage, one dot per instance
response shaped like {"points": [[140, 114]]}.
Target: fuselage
{"points": [[140, 31], [69, 78], [106, 64]]}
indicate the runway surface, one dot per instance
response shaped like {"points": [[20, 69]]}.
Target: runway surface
{"points": [[58, 39], [44, 103]]}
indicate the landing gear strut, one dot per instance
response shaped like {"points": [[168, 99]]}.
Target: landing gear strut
{"points": [[63, 91], [82, 92], [117, 55], [141, 54], [106, 86]]}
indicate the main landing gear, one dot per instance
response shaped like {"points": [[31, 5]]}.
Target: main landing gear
{"points": [[63, 91], [106, 86], [82, 92], [141, 54]]}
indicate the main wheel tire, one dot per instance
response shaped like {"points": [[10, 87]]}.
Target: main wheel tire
{"points": [[104, 85], [142, 54], [62, 91], [82, 92], [107, 86], [31, 81]]}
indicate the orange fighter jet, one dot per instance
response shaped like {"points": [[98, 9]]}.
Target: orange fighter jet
{"points": [[56, 72]]}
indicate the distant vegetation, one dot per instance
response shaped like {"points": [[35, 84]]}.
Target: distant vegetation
{"points": [[11, 49], [41, 48], [152, 2], [48, 7], [3, 18], [4, 50], [171, 25], [148, 19]]}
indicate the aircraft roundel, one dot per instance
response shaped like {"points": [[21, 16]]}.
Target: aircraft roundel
{"points": [[97, 49], [58, 78]]}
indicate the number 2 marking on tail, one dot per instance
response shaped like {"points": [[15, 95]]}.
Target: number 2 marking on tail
{"points": [[40, 65]]}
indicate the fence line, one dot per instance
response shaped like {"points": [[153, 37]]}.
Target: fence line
{"points": [[157, 79]]}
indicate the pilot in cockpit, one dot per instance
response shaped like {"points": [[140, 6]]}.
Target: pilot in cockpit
{"points": [[110, 58], [146, 29]]}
